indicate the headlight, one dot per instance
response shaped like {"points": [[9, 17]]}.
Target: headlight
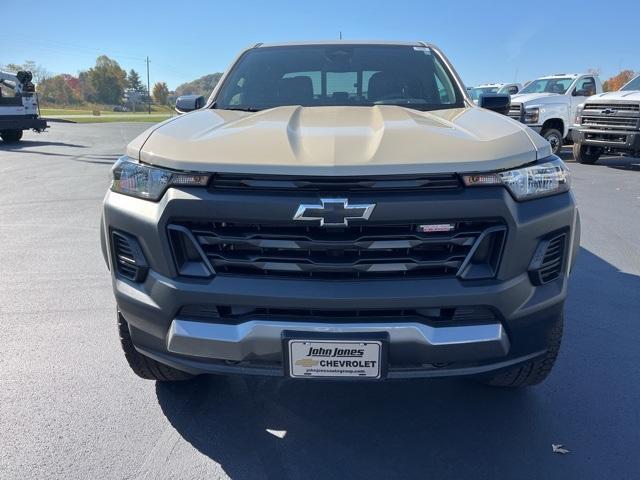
{"points": [[144, 181], [540, 180], [531, 115], [579, 109]]}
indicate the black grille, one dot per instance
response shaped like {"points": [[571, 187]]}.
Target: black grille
{"points": [[236, 314], [611, 116], [328, 184], [127, 256], [618, 123], [630, 107], [515, 111], [352, 252], [548, 260]]}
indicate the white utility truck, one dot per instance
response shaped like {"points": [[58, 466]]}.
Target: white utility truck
{"points": [[548, 105], [18, 106]]}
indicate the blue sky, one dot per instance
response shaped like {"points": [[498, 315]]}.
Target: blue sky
{"points": [[487, 41]]}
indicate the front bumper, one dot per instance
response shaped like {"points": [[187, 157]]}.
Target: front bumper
{"points": [[617, 140], [430, 344], [18, 122], [524, 312]]}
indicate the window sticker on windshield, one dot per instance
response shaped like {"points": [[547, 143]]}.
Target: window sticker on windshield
{"points": [[426, 50]]}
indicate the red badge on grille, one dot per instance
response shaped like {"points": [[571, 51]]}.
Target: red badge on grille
{"points": [[436, 227]]}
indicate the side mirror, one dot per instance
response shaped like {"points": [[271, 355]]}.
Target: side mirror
{"points": [[581, 93], [498, 102], [189, 103]]}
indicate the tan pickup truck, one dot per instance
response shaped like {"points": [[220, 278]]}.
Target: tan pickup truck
{"points": [[341, 210]]}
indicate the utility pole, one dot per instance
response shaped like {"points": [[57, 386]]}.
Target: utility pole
{"points": [[148, 88]]}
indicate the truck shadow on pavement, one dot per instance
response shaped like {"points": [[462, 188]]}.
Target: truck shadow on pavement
{"points": [[21, 145], [617, 162], [621, 163], [274, 428]]}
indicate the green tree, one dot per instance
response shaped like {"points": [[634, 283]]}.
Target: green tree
{"points": [[38, 71], [85, 88], [12, 67], [201, 86], [133, 81], [160, 93], [107, 81]]}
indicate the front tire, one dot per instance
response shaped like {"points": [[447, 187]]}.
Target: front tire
{"points": [[143, 366], [11, 136], [532, 372], [555, 139], [586, 154]]}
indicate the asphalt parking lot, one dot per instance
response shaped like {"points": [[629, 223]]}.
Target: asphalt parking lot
{"points": [[71, 408]]}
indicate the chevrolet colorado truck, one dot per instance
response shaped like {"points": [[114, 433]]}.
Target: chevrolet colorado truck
{"points": [[548, 105], [341, 210], [608, 123]]}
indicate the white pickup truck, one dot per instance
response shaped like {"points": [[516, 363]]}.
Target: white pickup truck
{"points": [[548, 105], [608, 123]]}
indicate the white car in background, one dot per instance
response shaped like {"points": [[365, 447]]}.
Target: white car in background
{"points": [[509, 88], [548, 105]]}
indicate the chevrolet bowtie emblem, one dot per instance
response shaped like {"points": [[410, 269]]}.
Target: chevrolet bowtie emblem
{"points": [[307, 362], [334, 212]]}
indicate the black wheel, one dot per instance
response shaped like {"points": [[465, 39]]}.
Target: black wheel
{"points": [[554, 137], [11, 136], [146, 367], [534, 371], [586, 153]]}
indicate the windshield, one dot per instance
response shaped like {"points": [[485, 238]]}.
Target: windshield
{"points": [[548, 85], [339, 75], [632, 85], [477, 91]]}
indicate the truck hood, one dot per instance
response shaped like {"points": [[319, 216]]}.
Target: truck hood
{"points": [[538, 98], [619, 96], [338, 141]]}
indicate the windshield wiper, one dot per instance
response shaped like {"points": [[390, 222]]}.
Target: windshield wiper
{"points": [[241, 109]]}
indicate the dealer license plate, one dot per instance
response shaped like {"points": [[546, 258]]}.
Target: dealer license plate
{"points": [[334, 358]]}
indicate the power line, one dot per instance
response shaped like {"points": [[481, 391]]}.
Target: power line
{"points": [[69, 48]]}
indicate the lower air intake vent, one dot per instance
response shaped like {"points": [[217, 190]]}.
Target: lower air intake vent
{"points": [[548, 260], [235, 314], [128, 258]]}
